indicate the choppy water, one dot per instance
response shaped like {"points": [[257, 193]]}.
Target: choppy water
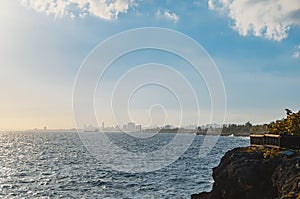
{"points": [[57, 165]]}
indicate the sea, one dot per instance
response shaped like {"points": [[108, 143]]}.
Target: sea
{"points": [[58, 165]]}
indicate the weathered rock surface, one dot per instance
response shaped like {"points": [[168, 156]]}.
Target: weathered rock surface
{"points": [[252, 172]]}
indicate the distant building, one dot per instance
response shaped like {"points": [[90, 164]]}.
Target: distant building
{"points": [[138, 128], [131, 126], [90, 128], [124, 127], [167, 127], [190, 126], [45, 128]]}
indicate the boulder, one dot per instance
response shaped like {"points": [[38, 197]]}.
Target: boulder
{"points": [[255, 172]]}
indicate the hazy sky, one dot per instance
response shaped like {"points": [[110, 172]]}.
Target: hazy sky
{"points": [[255, 45]]}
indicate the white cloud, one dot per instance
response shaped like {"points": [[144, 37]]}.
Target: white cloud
{"points": [[101, 8], [198, 3], [211, 4], [270, 19], [296, 54], [168, 15]]}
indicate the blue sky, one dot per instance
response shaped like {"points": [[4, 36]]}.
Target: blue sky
{"points": [[255, 45]]}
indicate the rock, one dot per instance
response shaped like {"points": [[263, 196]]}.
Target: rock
{"points": [[286, 178], [252, 172], [201, 195]]}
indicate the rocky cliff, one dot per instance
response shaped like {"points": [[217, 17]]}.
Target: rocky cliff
{"points": [[256, 172]]}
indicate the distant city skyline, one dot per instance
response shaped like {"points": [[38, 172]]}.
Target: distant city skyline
{"points": [[254, 44]]}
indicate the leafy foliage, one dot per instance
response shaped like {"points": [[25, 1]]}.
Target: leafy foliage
{"points": [[245, 129], [289, 125], [271, 153]]}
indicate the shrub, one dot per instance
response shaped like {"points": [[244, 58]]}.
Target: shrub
{"points": [[289, 125]]}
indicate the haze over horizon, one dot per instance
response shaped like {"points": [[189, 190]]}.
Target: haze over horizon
{"points": [[255, 45]]}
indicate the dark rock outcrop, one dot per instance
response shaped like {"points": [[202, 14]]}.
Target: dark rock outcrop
{"points": [[255, 172]]}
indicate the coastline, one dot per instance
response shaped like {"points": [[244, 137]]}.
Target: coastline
{"points": [[256, 173]]}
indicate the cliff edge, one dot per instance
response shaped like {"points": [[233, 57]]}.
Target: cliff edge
{"points": [[256, 172]]}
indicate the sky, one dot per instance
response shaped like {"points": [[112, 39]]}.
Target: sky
{"points": [[254, 44]]}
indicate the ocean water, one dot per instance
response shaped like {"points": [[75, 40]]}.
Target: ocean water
{"points": [[57, 165]]}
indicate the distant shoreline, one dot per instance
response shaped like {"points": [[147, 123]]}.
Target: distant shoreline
{"points": [[148, 131]]}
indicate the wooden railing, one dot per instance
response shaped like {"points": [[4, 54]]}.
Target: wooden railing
{"points": [[271, 140]]}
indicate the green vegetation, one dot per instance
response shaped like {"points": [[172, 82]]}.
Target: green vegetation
{"points": [[237, 129], [251, 149], [271, 153], [268, 153], [289, 125], [292, 195], [243, 129]]}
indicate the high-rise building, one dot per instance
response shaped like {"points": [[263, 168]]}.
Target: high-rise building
{"points": [[125, 127], [138, 128], [131, 126]]}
